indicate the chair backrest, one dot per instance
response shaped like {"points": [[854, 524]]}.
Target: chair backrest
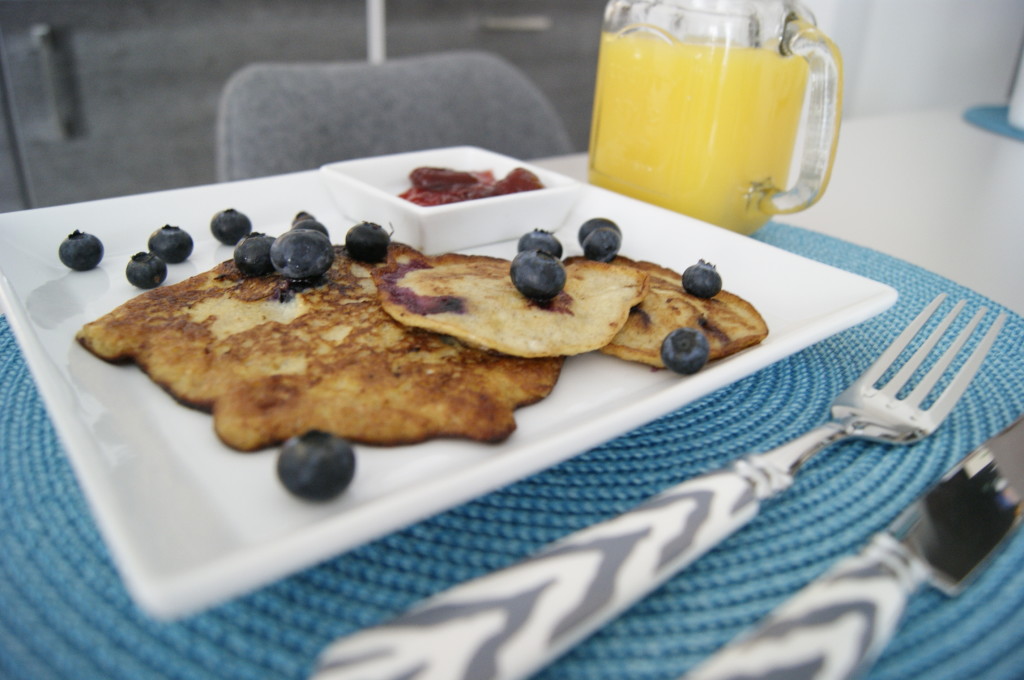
{"points": [[277, 117]]}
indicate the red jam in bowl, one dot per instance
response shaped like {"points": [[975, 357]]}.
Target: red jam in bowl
{"points": [[438, 186]]}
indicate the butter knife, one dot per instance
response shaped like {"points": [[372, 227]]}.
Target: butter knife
{"points": [[838, 625]]}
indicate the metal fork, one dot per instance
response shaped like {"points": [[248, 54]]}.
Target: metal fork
{"points": [[510, 623]]}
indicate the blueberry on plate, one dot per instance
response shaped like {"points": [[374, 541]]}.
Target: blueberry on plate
{"points": [[80, 251], [230, 226], [538, 239], [602, 244], [172, 244], [300, 216], [702, 280], [301, 254], [146, 270], [310, 223], [252, 254], [537, 275], [367, 242], [316, 466], [596, 223], [685, 350]]}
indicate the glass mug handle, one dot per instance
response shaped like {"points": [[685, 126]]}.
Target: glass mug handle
{"points": [[821, 124]]}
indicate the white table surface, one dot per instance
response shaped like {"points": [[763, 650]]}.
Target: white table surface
{"points": [[926, 187]]}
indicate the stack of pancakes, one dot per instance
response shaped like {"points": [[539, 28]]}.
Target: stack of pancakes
{"points": [[413, 348]]}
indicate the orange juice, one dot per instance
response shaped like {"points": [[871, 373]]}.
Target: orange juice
{"points": [[705, 130]]}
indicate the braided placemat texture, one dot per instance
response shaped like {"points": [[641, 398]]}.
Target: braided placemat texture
{"points": [[65, 614]]}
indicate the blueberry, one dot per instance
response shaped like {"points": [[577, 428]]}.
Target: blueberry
{"points": [[537, 275], [300, 216], [596, 223], [146, 270], [80, 251], [685, 350], [702, 280], [252, 254], [602, 244], [367, 242], [310, 223], [172, 244], [538, 239], [316, 466], [229, 226], [301, 254]]}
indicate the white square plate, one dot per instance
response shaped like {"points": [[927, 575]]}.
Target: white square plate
{"points": [[369, 188], [191, 523]]}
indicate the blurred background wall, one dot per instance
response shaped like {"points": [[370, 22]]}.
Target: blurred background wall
{"points": [[113, 97], [907, 55]]}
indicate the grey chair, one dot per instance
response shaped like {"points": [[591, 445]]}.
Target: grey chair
{"points": [[275, 117]]}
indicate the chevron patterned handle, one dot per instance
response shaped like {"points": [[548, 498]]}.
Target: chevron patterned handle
{"points": [[834, 628], [509, 623]]}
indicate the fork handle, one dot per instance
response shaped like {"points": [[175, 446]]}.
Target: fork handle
{"points": [[834, 628], [510, 623]]}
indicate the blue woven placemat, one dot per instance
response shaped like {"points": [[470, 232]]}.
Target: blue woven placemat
{"points": [[993, 119], [65, 614]]}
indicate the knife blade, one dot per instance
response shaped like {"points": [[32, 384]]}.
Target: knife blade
{"points": [[838, 625]]}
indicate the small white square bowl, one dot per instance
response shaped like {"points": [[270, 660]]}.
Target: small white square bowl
{"points": [[368, 189]]}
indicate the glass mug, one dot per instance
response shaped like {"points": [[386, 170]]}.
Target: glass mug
{"points": [[700, 106]]}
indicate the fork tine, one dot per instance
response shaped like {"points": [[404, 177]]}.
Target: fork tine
{"points": [[885, 360], [902, 377], [944, 404], [929, 380]]}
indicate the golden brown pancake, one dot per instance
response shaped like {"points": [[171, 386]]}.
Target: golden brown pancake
{"points": [[272, 359], [729, 322], [471, 297]]}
